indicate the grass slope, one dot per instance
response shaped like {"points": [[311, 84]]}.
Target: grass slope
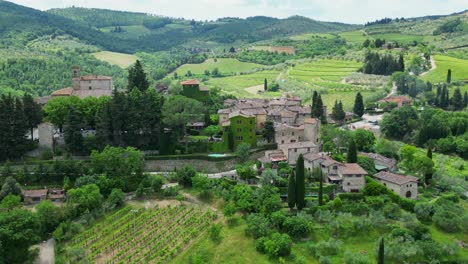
{"points": [[120, 59], [459, 69], [225, 66]]}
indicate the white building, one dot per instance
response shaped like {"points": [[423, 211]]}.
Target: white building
{"points": [[404, 186]]}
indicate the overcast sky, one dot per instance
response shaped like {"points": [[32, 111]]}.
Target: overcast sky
{"points": [[348, 11]]}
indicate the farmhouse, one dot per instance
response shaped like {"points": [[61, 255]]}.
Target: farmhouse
{"points": [[404, 186], [382, 163], [293, 150], [192, 89], [400, 101], [34, 196], [353, 177], [240, 128]]}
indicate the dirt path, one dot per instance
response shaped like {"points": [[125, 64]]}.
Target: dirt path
{"points": [[433, 67], [393, 91], [46, 252]]}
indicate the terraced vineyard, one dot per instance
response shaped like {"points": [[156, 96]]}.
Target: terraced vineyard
{"points": [[138, 235], [330, 70]]}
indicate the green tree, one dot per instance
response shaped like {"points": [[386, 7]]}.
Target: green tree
{"points": [[449, 76], [72, 133], [428, 175], [300, 183], [19, 230], [317, 107], [265, 85], [399, 123], [269, 131], [137, 78], [457, 100], [358, 108], [57, 109], [351, 157], [84, 198], [32, 113], [185, 175], [243, 152], [215, 72], [364, 139], [465, 99], [10, 202], [292, 191], [10, 186], [116, 198], [13, 128], [49, 216], [401, 63], [381, 255], [320, 194], [179, 110]]}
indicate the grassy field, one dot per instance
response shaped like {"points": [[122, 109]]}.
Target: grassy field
{"points": [[459, 69], [120, 59], [130, 31], [309, 36], [355, 37], [236, 85], [225, 66], [330, 70], [401, 38]]}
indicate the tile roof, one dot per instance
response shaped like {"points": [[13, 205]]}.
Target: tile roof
{"points": [[35, 193], [94, 77], [301, 144], [395, 178], [396, 99], [63, 92], [240, 113], [310, 121], [352, 168], [190, 82]]}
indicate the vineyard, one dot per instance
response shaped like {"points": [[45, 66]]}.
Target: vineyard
{"points": [[138, 235]]}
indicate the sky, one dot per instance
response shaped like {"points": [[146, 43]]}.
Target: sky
{"points": [[347, 11]]}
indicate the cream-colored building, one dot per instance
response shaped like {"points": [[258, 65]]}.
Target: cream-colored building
{"points": [[404, 186], [293, 150], [353, 177]]}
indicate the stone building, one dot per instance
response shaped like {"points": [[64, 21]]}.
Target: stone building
{"points": [[293, 150], [353, 177], [404, 186], [192, 89]]}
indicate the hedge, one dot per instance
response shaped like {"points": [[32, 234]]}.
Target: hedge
{"points": [[351, 196], [191, 157]]}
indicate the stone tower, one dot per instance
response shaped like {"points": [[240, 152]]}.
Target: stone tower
{"points": [[76, 77], [312, 130]]}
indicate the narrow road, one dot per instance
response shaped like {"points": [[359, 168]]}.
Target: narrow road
{"points": [[46, 252], [209, 175], [433, 67]]}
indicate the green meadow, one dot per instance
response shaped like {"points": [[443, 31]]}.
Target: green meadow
{"points": [[225, 66], [459, 69], [120, 59]]}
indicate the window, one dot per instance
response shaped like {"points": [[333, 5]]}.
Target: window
{"points": [[250, 130], [239, 130], [308, 149], [295, 150], [282, 134], [282, 141], [90, 88], [349, 183], [384, 184], [293, 140], [239, 121], [335, 167], [251, 122], [239, 138], [292, 133]]}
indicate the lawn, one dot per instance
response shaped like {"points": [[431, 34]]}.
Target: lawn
{"points": [[459, 69], [236, 85], [225, 66], [120, 59]]}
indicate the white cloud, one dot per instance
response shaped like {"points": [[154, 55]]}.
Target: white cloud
{"points": [[349, 11]]}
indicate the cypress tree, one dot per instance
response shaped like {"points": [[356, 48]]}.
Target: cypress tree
{"points": [[314, 104], [381, 252], [72, 134], [265, 85], [300, 183], [103, 127], [401, 63], [457, 100], [428, 86], [443, 97], [335, 111], [292, 191], [449, 76], [465, 99], [137, 77], [317, 110], [428, 176], [320, 194], [352, 152], [358, 105], [32, 113]]}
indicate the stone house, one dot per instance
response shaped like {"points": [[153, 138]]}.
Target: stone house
{"points": [[404, 186], [329, 166], [34, 196], [285, 134], [382, 163], [353, 177], [293, 150]]}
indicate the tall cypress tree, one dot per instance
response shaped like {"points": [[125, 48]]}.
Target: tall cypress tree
{"points": [[457, 100], [428, 176], [103, 126], [401, 63], [137, 77], [443, 97], [72, 134], [265, 85], [449, 76], [352, 152], [292, 191], [314, 104], [358, 108], [300, 183], [32, 113], [465, 99], [320, 194], [381, 256]]}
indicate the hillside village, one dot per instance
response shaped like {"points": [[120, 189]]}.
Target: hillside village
{"points": [[135, 138]]}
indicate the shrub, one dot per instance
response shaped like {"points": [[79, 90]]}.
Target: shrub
{"points": [[257, 226], [328, 247], [47, 155], [297, 226], [356, 258], [278, 245], [215, 232], [424, 212], [391, 211], [260, 244]]}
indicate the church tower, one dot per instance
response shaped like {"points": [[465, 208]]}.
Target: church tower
{"points": [[76, 77]]}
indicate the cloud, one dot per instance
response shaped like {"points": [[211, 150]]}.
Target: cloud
{"points": [[348, 11]]}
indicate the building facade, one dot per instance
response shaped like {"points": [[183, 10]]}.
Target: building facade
{"points": [[404, 186], [192, 89]]}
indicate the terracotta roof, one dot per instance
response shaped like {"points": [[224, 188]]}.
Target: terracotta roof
{"points": [[35, 193], [225, 111], [313, 156], [310, 121], [352, 168], [380, 159], [281, 127], [94, 77], [329, 161], [302, 144], [395, 178], [240, 113], [63, 92], [190, 82], [396, 99]]}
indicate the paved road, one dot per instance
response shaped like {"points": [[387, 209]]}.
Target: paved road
{"points": [[366, 123], [218, 175], [46, 252]]}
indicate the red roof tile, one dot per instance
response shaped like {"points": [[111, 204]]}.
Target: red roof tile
{"points": [[190, 82], [395, 178]]}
